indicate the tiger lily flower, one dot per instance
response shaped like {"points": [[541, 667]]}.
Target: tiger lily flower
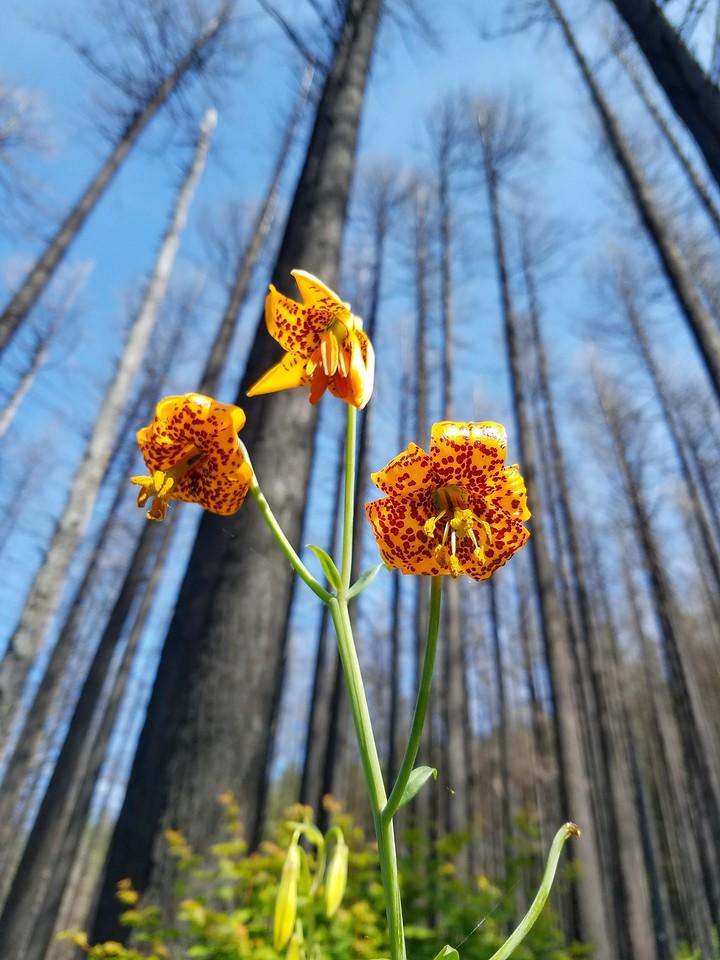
{"points": [[326, 345], [192, 451], [456, 510]]}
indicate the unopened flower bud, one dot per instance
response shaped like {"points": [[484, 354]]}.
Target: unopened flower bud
{"points": [[286, 904], [336, 880], [293, 951]]}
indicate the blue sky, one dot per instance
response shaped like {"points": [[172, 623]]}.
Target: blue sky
{"points": [[571, 180]]}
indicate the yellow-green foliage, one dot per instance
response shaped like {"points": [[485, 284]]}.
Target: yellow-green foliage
{"points": [[227, 898]]}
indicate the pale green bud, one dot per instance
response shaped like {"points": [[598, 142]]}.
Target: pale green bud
{"points": [[286, 904], [293, 951], [336, 879]]}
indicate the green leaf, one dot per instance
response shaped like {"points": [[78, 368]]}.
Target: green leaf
{"points": [[364, 580], [415, 782], [448, 953], [326, 562]]}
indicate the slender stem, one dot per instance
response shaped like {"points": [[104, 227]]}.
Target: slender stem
{"points": [[373, 774], [421, 704], [349, 506], [285, 545], [523, 928], [358, 704], [391, 887]]}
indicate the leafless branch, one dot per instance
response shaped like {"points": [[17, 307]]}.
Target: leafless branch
{"points": [[292, 34], [133, 47]]}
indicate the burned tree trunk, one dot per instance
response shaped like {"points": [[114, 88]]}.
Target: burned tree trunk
{"points": [[693, 176], [226, 637], [693, 95]]}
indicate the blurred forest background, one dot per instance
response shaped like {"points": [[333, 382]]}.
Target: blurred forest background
{"points": [[522, 201]]}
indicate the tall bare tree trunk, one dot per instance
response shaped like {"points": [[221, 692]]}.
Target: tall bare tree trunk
{"points": [[48, 583], [27, 755], [693, 176], [43, 269], [702, 787], [46, 708], [58, 313], [670, 418], [615, 815], [208, 711], [319, 716], [635, 832], [248, 257], [683, 872], [420, 262], [453, 686], [422, 424], [540, 755], [39, 357], [693, 95], [30, 914], [704, 331], [502, 728], [574, 787], [395, 625]]}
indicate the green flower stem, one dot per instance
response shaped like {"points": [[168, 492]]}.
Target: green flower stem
{"points": [[523, 928], [284, 544], [373, 774], [421, 704], [349, 505]]}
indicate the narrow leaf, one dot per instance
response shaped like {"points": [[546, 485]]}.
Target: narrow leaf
{"points": [[326, 562], [364, 580], [416, 780], [448, 953]]}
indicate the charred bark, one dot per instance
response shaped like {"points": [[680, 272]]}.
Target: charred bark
{"points": [[200, 733]]}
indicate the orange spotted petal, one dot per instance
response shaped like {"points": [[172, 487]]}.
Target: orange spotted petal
{"points": [[193, 452], [216, 491], [297, 326], [510, 494], [290, 372], [362, 368], [497, 554], [313, 292], [397, 523], [468, 453], [507, 539], [407, 472], [355, 385], [184, 423]]}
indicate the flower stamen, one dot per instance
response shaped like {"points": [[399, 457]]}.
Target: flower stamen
{"points": [[429, 525], [461, 524], [161, 483]]}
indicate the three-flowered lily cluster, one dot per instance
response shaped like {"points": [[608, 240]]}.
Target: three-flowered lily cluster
{"points": [[455, 510], [458, 509]]}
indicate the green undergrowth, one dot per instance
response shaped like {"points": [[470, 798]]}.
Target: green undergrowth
{"points": [[226, 900]]}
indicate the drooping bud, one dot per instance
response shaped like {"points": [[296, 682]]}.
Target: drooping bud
{"points": [[336, 879], [286, 904]]}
